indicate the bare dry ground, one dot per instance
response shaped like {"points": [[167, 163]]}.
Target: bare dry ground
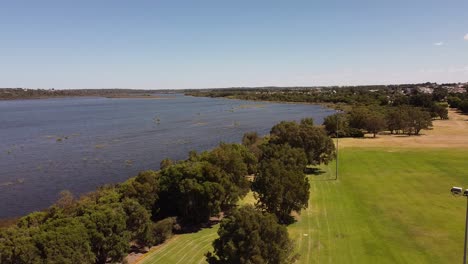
{"points": [[451, 133]]}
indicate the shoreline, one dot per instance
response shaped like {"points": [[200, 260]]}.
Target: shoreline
{"points": [[120, 96], [328, 105]]}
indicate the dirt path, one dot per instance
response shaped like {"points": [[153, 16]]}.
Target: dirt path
{"points": [[452, 133]]}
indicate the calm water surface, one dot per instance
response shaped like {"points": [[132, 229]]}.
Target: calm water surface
{"points": [[79, 144]]}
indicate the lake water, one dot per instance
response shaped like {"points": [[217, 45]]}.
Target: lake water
{"points": [[78, 144]]}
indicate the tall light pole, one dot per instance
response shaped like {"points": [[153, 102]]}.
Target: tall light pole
{"points": [[457, 191], [337, 136]]}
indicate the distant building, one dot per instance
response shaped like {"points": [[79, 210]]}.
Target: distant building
{"points": [[456, 89], [426, 90]]}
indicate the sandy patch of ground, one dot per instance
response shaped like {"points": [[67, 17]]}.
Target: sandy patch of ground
{"points": [[452, 133]]}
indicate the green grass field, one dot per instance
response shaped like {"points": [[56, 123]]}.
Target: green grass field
{"points": [[187, 248], [387, 207]]}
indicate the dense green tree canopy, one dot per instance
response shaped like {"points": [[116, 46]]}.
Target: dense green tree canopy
{"points": [[143, 188], [250, 138], [375, 122], [253, 142], [138, 223], [192, 190], [280, 184], [336, 124], [17, 246], [248, 236], [318, 147], [107, 230], [358, 117], [409, 120], [237, 162], [64, 241]]}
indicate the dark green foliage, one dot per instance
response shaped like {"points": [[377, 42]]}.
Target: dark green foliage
{"points": [[375, 122], [439, 94], [280, 185], [354, 132], [409, 120], [248, 236], [64, 241], [201, 186], [138, 223], [34, 219], [358, 117], [192, 190], [440, 111], [250, 138], [454, 101], [237, 162], [463, 106], [319, 148], [165, 163], [396, 119], [252, 141], [106, 225], [346, 95], [400, 100], [417, 120], [421, 100], [143, 188], [18, 247], [291, 158], [308, 121], [344, 130], [162, 230], [336, 124], [66, 202]]}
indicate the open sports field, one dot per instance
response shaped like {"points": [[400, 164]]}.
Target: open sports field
{"points": [[386, 207], [391, 204]]}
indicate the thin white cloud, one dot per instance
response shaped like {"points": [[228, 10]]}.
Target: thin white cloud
{"points": [[459, 69], [466, 37], [439, 44]]}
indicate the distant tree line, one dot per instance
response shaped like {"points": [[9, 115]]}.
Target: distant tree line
{"points": [[22, 93], [459, 101], [102, 226], [398, 120], [399, 109]]}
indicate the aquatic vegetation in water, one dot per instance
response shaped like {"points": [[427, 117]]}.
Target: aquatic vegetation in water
{"points": [[59, 138], [200, 123], [157, 120], [247, 106], [9, 183], [100, 146], [234, 124]]}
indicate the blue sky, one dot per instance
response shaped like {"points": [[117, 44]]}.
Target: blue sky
{"points": [[198, 44]]}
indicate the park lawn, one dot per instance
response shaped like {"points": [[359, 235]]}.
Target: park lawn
{"points": [[188, 248], [388, 206], [183, 249]]}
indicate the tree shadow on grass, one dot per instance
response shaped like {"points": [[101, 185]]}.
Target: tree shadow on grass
{"points": [[314, 171], [317, 174]]}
